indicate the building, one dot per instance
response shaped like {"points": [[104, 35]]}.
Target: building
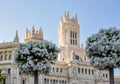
{"points": [[72, 66]]}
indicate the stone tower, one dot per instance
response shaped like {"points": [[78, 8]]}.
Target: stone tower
{"points": [[16, 38], [69, 38], [33, 35]]}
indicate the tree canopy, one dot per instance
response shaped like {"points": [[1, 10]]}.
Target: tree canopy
{"points": [[103, 48], [35, 56]]}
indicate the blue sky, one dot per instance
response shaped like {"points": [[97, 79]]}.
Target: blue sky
{"points": [[92, 15]]}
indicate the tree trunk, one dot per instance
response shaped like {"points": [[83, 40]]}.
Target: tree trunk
{"points": [[111, 73], [4, 81], [36, 77]]}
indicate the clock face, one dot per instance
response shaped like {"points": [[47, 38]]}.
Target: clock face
{"points": [[73, 26]]}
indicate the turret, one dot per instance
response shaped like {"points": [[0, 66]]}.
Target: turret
{"points": [[16, 38], [69, 30], [33, 30], [34, 34], [69, 38], [67, 18]]}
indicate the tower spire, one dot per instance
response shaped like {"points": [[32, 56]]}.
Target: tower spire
{"points": [[16, 38], [34, 34], [33, 30], [27, 31], [85, 58]]}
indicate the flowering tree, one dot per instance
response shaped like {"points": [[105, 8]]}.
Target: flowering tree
{"points": [[103, 50], [35, 57]]}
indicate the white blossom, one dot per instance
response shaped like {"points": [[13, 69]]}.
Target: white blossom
{"points": [[103, 48], [35, 55]]}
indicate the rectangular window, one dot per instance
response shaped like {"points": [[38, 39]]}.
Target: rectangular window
{"points": [[78, 70], [56, 81], [106, 75], [23, 81], [47, 80], [56, 69], [89, 71], [59, 81], [70, 41], [92, 72], [85, 71], [65, 82], [61, 70], [73, 41], [82, 70], [44, 80], [62, 81], [51, 81], [103, 74]]}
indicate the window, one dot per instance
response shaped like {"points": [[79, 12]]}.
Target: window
{"points": [[9, 57], [62, 81], [23, 81], [59, 81], [61, 70], [70, 41], [73, 26], [47, 80], [76, 57], [51, 81], [65, 82], [106, 75], [85, 71], [56, 81], [89, 71], [44, 80], [73, 42], [5, 57], [92, 72], [56, 69], [1, 58], [73, 34], [73, 37], [78, 70], [82, 70], [9, 71], [103, 74], [76, 35]]}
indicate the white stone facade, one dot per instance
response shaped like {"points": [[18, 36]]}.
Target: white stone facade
{"points": [[72, 66]]}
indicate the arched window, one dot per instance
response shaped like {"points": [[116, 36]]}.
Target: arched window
{"points": [[61, 70], [9, 57], [56, 69], [5, 57], [75, 34], [1, 58], [76, 57]]}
